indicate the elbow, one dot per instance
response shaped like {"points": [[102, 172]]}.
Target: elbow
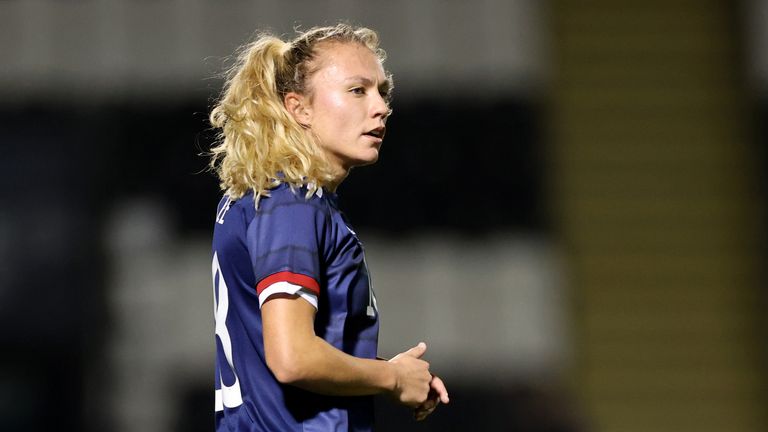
{"points": [[287, 374], [287, 368]]}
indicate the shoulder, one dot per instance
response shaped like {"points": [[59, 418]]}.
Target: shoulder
{"points": [[284, 198], [283, 204], [230, 209]]}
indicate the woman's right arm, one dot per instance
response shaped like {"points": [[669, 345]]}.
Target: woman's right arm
{"points": [[298, 357]]}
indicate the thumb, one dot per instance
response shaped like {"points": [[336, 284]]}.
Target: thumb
{"points": [[418, 350]]}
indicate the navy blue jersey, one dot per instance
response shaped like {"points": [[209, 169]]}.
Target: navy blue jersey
{"points": [[296, 245]]}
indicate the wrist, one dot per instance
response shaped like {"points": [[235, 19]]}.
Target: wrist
{"points": [[389, 384]]}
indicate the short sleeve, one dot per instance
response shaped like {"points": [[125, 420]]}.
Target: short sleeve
{"points": [[285, 243]]}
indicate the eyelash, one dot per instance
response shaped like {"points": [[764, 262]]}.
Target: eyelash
{"points": [[361, 91]]}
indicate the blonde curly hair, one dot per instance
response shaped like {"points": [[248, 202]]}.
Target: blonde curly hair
{"points": [[259, 144]]}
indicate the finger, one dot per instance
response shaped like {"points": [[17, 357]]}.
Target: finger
{"points": [[428, 405], [418, 350], [438, 386], [421, 414]]}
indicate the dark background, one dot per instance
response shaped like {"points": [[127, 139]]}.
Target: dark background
{"points": [[474, 151]]}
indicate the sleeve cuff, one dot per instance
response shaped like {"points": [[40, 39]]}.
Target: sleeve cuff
{"points": [[287, 288], [294, 278]]}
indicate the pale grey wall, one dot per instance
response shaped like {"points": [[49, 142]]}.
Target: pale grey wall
{"points": [[97, 49]]}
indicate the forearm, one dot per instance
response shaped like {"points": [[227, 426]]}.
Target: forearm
{"points": [[321, 368], [298, 357]]}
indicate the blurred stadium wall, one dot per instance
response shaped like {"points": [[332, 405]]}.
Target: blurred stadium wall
{"points": [[568, 209], [661, 210]]}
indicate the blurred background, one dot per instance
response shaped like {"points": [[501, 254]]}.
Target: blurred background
{"points": [[569, 209]]}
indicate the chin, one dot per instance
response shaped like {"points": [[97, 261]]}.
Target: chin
{"points": [[374, 157], [368, 158]]}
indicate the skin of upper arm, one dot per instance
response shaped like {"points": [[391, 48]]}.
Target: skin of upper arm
{"points": [[288, 330]]}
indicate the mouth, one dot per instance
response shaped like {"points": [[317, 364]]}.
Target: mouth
{"points": [[377, 133]]}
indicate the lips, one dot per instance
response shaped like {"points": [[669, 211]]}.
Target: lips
{"points": [[377, 133]]}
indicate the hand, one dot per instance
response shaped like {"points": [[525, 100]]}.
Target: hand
{"points": [[437, 393], [412, 377]]}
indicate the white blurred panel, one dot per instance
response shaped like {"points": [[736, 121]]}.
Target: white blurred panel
{"points": [[171, 48], [161, 314], [491, 309]]}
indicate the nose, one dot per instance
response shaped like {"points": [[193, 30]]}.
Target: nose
{"points": [[380, 107]]}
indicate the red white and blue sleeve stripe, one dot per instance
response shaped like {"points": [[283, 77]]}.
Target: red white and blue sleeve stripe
{"points": [[290, 283]]}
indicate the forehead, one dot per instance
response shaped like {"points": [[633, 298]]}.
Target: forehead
{"points": [[340, 61]]}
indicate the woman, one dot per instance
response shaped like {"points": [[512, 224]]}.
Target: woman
{"points": [[296, 317]]}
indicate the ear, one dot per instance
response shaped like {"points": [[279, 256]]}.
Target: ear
{"points": [[296, 104]]}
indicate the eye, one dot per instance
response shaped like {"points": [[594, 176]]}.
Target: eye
{"points": [[358, 90]]}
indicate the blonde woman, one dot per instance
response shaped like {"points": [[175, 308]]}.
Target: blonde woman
{"points": [[296, 316]]}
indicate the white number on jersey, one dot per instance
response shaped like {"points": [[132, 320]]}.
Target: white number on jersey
{"points": [[226, 396]]}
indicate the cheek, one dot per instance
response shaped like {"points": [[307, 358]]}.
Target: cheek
{"points": [[333, 113], [334, 105]]}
